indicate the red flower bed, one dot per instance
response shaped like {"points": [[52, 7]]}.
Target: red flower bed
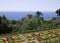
{"points": [[6, 37], [5, 42]]}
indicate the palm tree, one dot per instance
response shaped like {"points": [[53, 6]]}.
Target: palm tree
{"points": [[38, 14]]}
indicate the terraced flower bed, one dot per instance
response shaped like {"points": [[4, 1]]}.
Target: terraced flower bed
{"points": [[18, 38], [3, 40], [50, 36]]}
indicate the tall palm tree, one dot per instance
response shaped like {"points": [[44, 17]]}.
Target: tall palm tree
{"points": [[39, 17], [38, 14]]}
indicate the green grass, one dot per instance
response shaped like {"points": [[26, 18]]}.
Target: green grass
{"points": [[1, 41], [9, 39]]}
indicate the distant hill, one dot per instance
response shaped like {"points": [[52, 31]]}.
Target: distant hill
{"points": [[19, 15]]}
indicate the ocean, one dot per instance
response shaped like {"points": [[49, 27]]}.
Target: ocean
{"points": [[20, 15]]}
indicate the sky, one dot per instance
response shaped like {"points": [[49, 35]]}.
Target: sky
{"points": [[29, 5]]}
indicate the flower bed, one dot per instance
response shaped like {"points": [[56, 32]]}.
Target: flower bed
{"points": [[18, 38], [3, 40], [29, 37], [43, 37]]}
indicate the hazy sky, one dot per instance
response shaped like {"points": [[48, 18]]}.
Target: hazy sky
{"points": [[29, 5]]}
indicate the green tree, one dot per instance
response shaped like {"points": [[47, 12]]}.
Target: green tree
{"points": [[4, 26], [13, 22], [30, 16], [58, 12], [4, 17], [0, 20], [38, 14]]}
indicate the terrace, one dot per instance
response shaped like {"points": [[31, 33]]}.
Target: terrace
{"points": [[35, 37]]}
